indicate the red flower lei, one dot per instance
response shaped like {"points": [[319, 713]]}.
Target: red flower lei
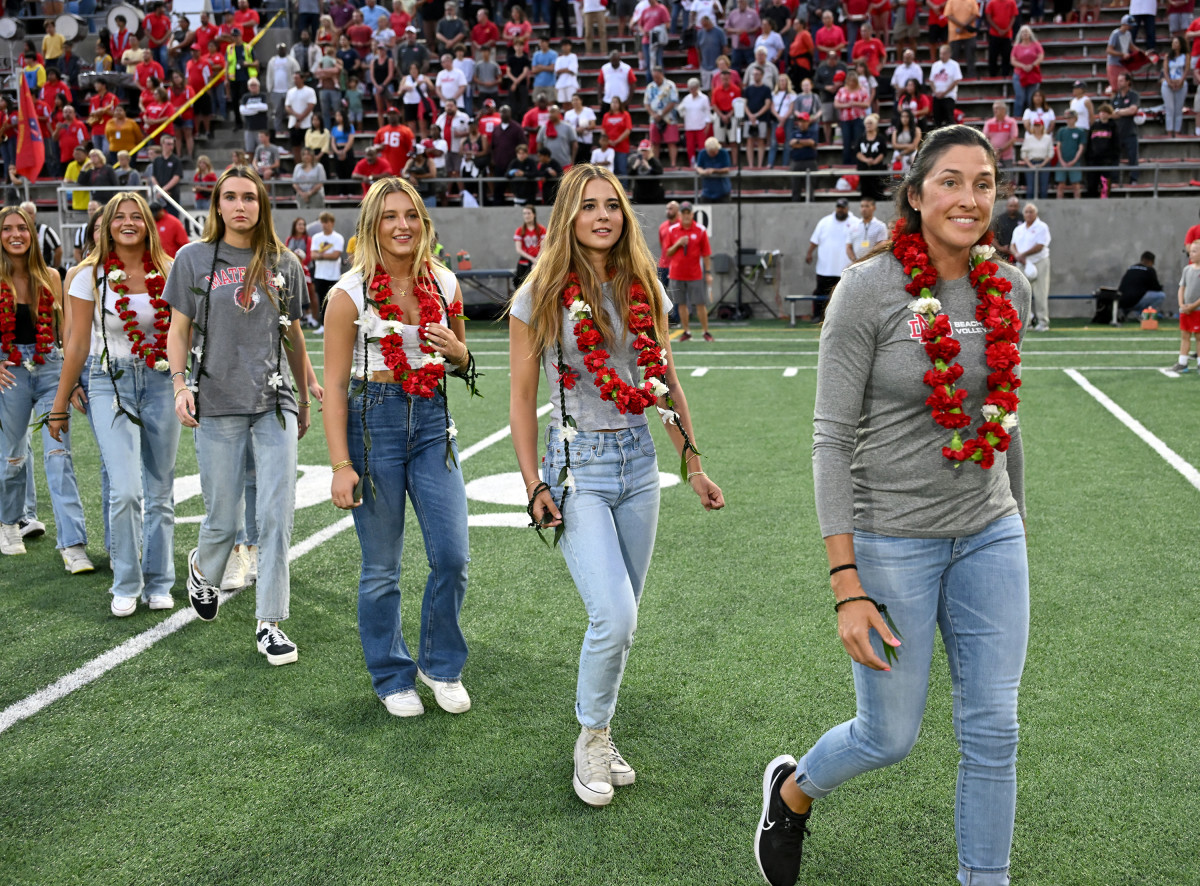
{"points": [[139, 344], [626, 397], [424, 380], [44, 338], [1003, 326]]}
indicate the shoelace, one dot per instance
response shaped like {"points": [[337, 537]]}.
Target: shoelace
{"points": [[205, 594], [276, 637], [596, 757], [614, 756]]}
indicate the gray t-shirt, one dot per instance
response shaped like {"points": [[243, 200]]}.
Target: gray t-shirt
{"points": [[487, 71], [584, 403], [877, 452], [243, 345]]}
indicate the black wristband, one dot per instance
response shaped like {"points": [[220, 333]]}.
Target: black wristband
{"points": [[839, 603], [843, 566]]}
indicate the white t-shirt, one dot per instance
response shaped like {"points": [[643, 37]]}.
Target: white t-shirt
{"points": [[904, 73], [696, 111], [865, 236], [352, 285], [1034, 148], [1143, 7], [616, 83], [701, 8], [580, 119], [942, 74], [297, 99], [566, 70], [594, 6], [87, 288], [449, 82], [1046, 116], [327, 269], [1026, 236], [831, 237], [603, 157], [409, 91]]}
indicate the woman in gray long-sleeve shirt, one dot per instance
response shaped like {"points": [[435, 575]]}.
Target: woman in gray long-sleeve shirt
{"points": [[922, 515]]}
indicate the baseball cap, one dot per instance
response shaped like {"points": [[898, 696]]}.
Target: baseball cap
{"points": [[489, 103], [839, 77], [158, 206], [685, 206], [842, 202], [644, 145], [427, 144], [411, 30], [803, 115], [1128, 20], [1079, 84]]}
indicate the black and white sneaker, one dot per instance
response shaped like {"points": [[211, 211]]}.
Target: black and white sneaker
{"points": [[780, 838], [274, 644], [202, 594], [33, 528]]}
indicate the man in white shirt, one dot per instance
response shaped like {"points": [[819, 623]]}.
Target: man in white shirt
{"points": [[868, 233], [451, 84], [943, 78], [458, 124], [616, 80], [299, 102], [908, 70], [327, 248], [1031, 246], [566, 74], [829, 241], [696, 111], [280, 70]]}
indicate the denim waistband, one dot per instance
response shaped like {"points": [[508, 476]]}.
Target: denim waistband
{"points": [[379, 390], [624, 438]]}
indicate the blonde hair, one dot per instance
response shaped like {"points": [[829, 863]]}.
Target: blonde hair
{"points": [[367, 253], [264, 242], [105, 246], [629, 260], [39, 273]]}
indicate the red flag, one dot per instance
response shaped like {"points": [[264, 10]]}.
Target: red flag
{"points": [[31, 150]]}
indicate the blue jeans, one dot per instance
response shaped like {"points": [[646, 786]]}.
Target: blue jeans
{"points": [[620, 163], [142, 479], [540, 11], [975, 590], [248, 531], [611, 517], [331, 100], [852, 134], [1037, 183], [31, 396], [104, 491], [221, 444], [1021, 94], [408, 458]]}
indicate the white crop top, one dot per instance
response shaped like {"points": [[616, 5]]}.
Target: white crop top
{"points": [[375, 327]]}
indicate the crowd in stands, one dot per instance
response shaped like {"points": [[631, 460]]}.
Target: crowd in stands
{"points": [[440, 94]]}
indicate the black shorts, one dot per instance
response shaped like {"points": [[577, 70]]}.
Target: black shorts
{"points": [[625, 8], [296, 136], [411, 113], [203, 105], [938, 33]]}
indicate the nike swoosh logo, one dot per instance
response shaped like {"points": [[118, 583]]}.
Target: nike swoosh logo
{"points": [[768, 825]]}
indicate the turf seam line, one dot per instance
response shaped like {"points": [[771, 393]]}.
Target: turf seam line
{"points": [[102, 664], [1170, 456]]}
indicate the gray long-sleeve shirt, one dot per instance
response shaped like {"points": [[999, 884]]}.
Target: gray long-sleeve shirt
{"points": [[877, 452]]}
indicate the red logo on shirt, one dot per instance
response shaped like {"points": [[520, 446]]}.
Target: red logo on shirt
{"points": [[916, 326]]}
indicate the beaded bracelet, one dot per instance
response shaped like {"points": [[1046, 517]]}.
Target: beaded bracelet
{"points": [[304, 404], [842, 567]]}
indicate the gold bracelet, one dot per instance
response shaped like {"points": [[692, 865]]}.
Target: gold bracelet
{"points": [[693, 455], [304, 404], [180, 391], [342, 464], [696, 474]]}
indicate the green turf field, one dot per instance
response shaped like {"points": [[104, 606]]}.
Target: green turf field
{"points": [[194, 762]]}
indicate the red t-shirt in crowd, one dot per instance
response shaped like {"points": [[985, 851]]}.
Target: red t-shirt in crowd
{"points": [[146, 70], [856, 7], [52, 90], [722, 97], [98, 103], [396, 142], [484, 33], [534, 119], [488, 123], [513, 30], [156, 113], [69, 138], [209, 178], [685, 262], [178, 99], [1002, 12], [399, 20], [873, 51], [613, 125], [662, 241], [171, 233], [365, 167], [205, 35], [530, 241], [247, 20], [937, 13], [830, 38], [158, 28]]}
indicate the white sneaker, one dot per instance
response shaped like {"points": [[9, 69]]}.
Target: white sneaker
{"points": [[274, 644], [161, 601], [404, 704], [32, 528], [75, 560], [10, 539], [449, 694], [621, 772], [234, 578], [592, 778], [123, 606], [1042, 327], [251, 552]]}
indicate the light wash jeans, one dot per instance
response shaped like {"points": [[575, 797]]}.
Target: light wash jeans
{"points": [[975, 591], [611, 517], [408, 458], [221, 443], [31, 396], [85, 380], [1021, 94], [1173, 102], [142, 479]]}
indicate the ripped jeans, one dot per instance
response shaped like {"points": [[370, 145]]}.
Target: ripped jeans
{"points": [[30, 397]]}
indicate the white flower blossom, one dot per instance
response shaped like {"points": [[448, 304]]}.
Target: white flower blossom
{"points": [[275, 381], [433, 360], [152, 274], [284, 321], [579, 309], [363, 321], [116, 275], [990, 411], [28, 364], [392, 327], [659, 389], [104, 363], [161, 365], [198, 351], [569, 483], [114, 404], [193, 386], [668, 416], [928, 305], [986, 251], [1009, 421], [568, 433], [277, 281]]}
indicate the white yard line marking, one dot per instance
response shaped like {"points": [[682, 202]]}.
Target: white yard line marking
{"points": [[1169, 373], [1170, 456], [700, 372], [790, 371], [104, 663]]}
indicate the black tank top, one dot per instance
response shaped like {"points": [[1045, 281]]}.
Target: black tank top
{"points": [[381, 69], [26, 331]]}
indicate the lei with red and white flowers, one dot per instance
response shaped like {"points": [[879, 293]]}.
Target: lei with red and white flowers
{"points": [[44, 325], [424, 380], [154, 353], [997, 314]]}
